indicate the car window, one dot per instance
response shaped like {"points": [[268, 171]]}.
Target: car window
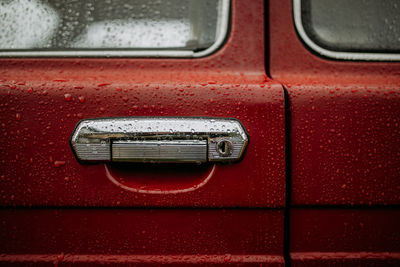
{"points": [[135, 25], [357, 26]]}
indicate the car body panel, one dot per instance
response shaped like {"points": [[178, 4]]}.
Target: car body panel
{"points": [[39, 141], [344, 121], [56, 210], [332, 199], [344, 136], [43, 100], [349, 237], [121, 236]]}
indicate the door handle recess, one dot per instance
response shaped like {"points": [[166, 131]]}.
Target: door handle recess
{"points": [[159, 139]]}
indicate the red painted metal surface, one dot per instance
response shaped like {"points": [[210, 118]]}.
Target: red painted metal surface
{"points": [[146, 236], [345, 117], [345, 152], [37, 158], [345, 237], [43, 99], [345, 144]]}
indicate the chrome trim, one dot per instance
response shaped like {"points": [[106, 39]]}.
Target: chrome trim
{"points": [[221, 35], [335, 54], [158, 139], [160, 151]]}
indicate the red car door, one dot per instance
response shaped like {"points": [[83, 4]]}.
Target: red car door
{"points": [[344, 135], [56, 210]]}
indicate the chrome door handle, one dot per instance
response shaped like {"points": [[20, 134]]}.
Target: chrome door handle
{"points": [[159, 139]]}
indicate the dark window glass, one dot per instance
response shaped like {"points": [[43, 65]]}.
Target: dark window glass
{"points": [[353, 25]]}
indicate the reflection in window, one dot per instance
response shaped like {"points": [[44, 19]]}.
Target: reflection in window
{"points": [[27, 24], [134, 34], [107, 24]]}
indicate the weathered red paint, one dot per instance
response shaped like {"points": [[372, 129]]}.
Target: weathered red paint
{"points": [[43, 99]]}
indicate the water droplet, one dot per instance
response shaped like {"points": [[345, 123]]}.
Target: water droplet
{"points": [[102, 84], [59, 163], [60, 257]]}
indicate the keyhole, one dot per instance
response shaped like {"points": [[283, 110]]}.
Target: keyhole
{"points": [[224, 148]]}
